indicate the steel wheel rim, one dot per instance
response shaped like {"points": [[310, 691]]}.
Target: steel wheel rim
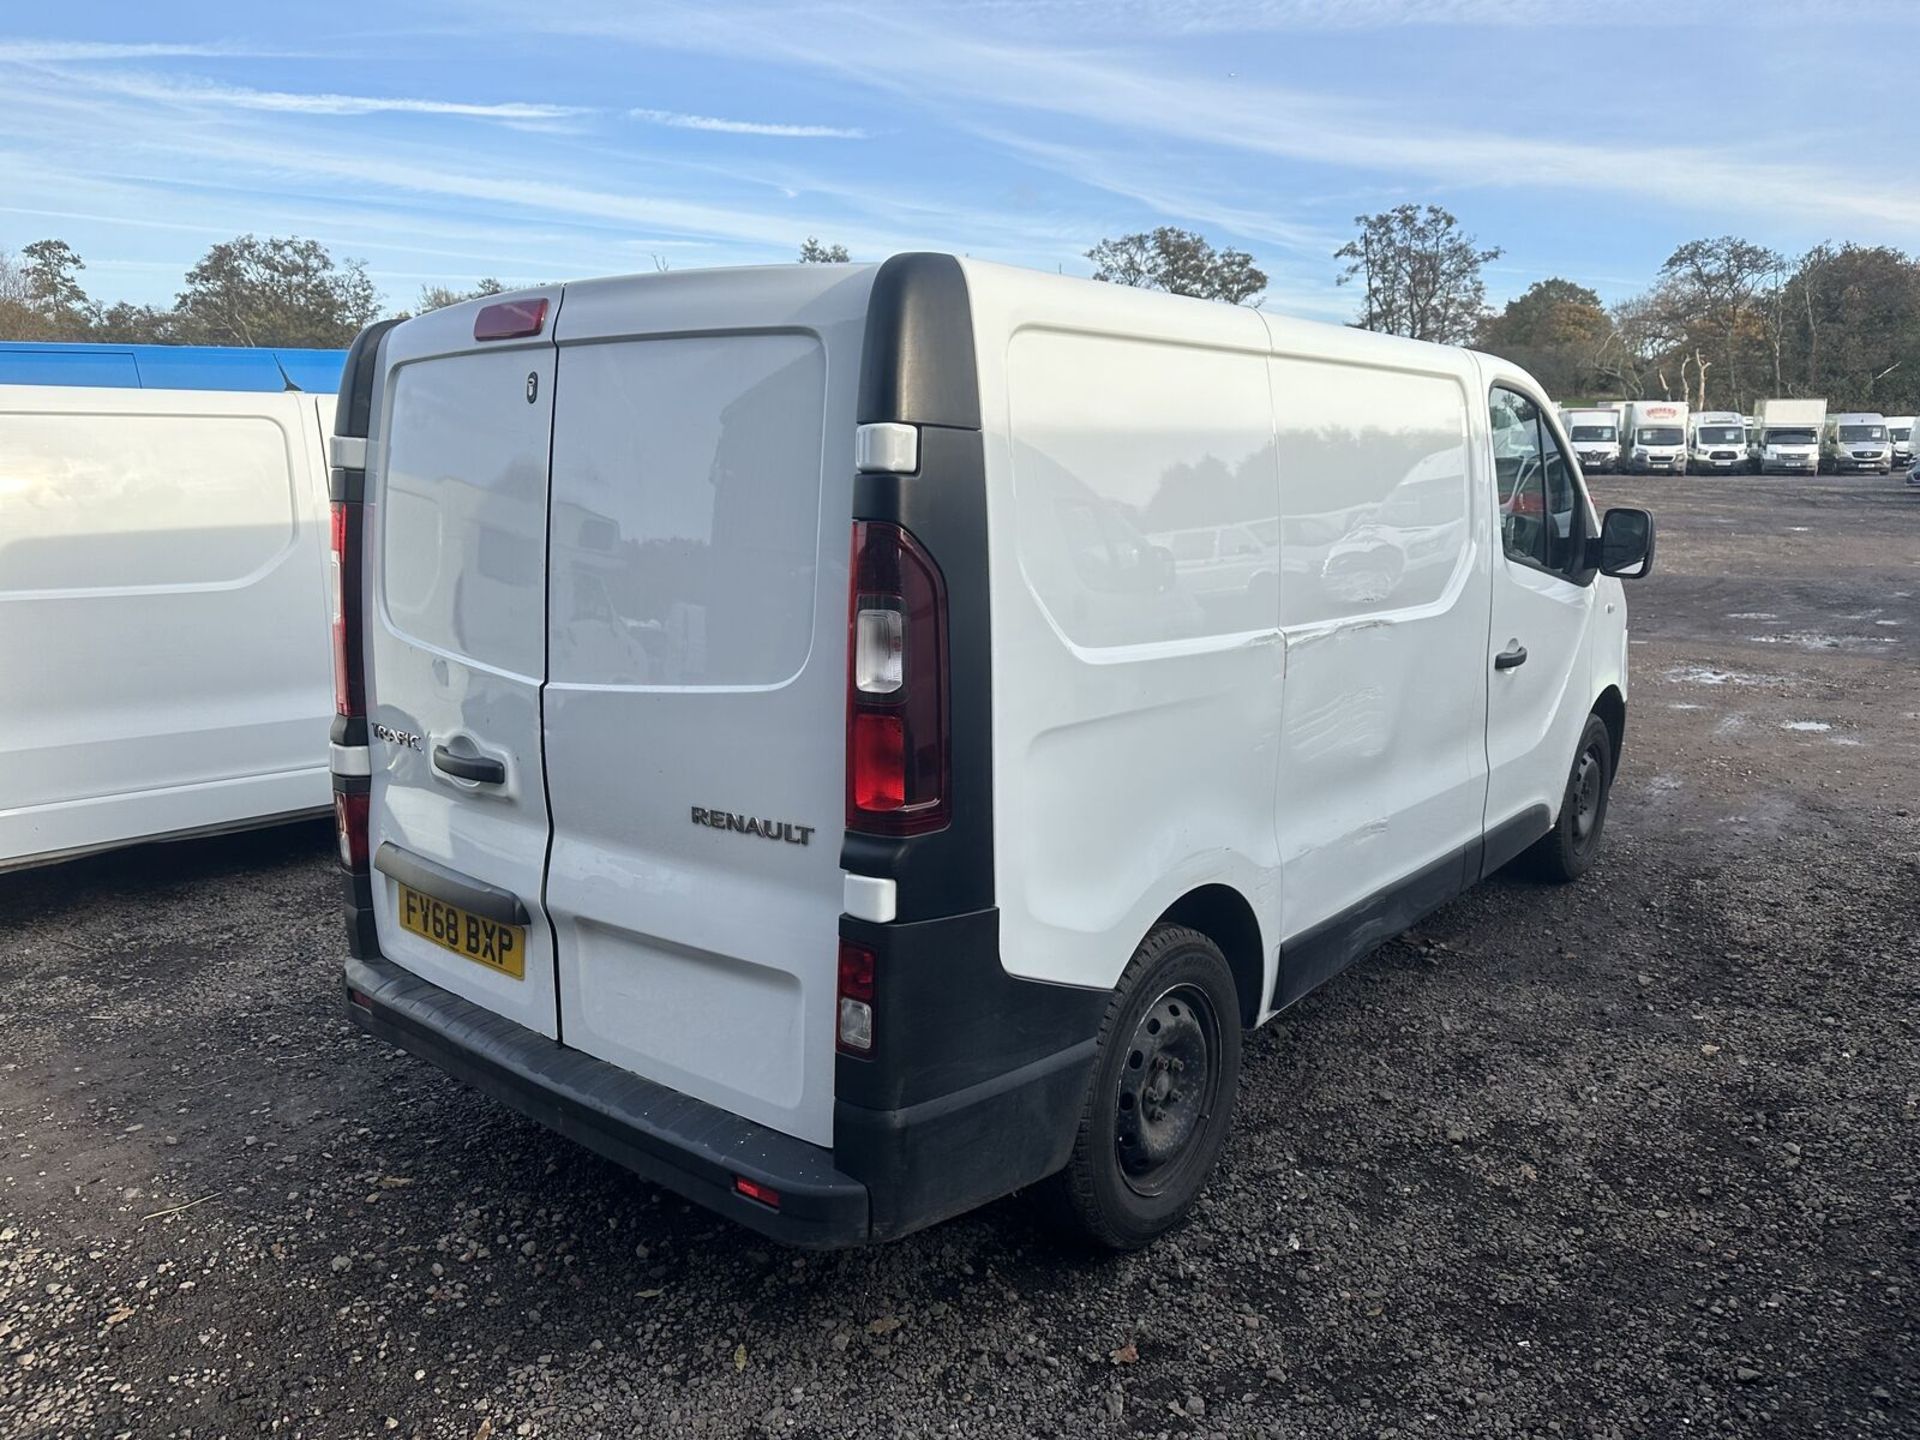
{"points": [[1587, 773], [1169, 1083]]}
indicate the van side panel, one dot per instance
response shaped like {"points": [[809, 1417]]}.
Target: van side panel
{"points": [[163, 613], [1137, 679], [1384, 604]]}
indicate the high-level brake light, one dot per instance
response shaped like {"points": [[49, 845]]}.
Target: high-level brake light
{"points": [[510, 319]]}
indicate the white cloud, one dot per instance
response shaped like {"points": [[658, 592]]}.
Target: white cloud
{"points": [[677, 121], [53, 52], [236, 97]]}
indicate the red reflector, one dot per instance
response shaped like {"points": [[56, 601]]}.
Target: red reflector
{"points": [[856, 972], [360, 1001], [879, 761], [350, 812], [349, 683], [510, 319], [754, 1190]]}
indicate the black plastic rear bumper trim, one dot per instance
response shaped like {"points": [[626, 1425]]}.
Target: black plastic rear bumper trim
{"points": [[692, 1148]]}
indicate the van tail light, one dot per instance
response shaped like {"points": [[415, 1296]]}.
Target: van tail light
{"points": [[855, 1000], [349, 676], [897, 743], [350, 820], [754, 1190]]}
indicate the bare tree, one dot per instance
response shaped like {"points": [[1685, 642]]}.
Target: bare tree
{"points": [[1419, 274]]}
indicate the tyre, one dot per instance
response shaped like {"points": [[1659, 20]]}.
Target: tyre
{"points": [[1567, 851], [1160, 1101]]}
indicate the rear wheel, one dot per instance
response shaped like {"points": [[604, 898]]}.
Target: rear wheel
{"points": [[1567, 851], [1161, 1098]]}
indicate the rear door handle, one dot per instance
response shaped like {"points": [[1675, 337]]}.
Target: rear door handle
{"points": [[1506, 660], [469, 767]]}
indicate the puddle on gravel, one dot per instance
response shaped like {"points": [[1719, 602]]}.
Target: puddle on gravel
{"points": [[1707, 675], [1684, 705], [1816, 726], [1752, 615], [1817, 640]]}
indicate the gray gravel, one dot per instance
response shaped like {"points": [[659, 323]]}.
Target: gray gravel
{"points": [[1638, 1157]]}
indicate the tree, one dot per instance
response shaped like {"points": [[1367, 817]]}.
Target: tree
{"points": [[812, 252], [1716, 286], [1181, 263], [438, 297], [1854, 327], [1557, 330], [39, 297], [1419, 272], [278, 291], [124, 323]]}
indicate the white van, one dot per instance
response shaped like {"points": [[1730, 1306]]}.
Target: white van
{"points": [[1595, 433], [784, 751], [162, 613], [1716, 440], [1856, 441], [1900, 436], [1653, 437]]}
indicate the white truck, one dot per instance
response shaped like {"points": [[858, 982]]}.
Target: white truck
{"points": [[1716, 441], [1595, 434], [1900, 436], [1855, 442], [932, 839], [1653, 437], [1785, 437]]}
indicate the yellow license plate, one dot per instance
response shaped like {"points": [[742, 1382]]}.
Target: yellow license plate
{"points": [[501, 948]]}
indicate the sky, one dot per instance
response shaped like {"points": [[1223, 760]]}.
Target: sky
{"points": [[441, 142]]}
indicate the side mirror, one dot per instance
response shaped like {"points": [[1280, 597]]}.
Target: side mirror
{"points": [[1625, 546]]}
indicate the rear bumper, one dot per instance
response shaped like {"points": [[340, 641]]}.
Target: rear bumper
{"points": [[692, 1148], [981, 1097]]}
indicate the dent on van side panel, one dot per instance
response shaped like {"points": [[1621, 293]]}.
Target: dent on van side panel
{"points": [[1133, 512], [1384, 599]]}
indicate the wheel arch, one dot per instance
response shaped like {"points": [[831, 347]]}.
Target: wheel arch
{"points": [[1224, 916], [1611, 707]]}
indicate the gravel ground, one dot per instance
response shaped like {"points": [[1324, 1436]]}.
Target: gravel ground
{"points": [[1636, 1157]]}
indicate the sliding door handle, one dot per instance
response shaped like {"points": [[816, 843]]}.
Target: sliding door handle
{"points": [[1511, 659], [469, 767]]}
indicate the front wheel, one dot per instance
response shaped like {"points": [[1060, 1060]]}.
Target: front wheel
{"points": [[1160, 1101], [1567, 851]]}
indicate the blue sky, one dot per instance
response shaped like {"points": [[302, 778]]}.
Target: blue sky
{"points": [[444, 141]]}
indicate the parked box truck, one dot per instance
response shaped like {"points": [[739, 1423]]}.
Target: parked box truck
{"points": [[1855, 442], [1653, 437], [1716, 441], [1595, 435], [1785, 438], [921, 836]]}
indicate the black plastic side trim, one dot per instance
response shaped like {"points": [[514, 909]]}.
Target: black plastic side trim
{"points": [[349, 731], [692, 1148], [947, 871], [437, 880], [917, 366], [1317, 955], [353, 411], [1510, 837]]}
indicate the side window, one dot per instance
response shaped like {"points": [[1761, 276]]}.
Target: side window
{"points": [[1539, 501]]}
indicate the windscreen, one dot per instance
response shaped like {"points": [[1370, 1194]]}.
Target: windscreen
{"points": [[1593, 434], [1791, 437], [1659, 435], [1902, 434], [1857, 434], [1721, 434]]}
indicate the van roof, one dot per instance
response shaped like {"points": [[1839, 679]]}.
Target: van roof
{"points": [[171, 367]]}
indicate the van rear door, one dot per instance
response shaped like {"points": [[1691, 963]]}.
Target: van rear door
{"points": [[457, 546], [702, 488]]}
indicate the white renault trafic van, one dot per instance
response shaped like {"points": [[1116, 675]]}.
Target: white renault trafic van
{"points": [[783, 748], [163, 613]]}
